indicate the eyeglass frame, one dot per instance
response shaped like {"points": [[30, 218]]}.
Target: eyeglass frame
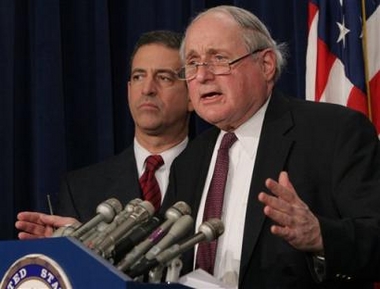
{"points": [[208, 64]]}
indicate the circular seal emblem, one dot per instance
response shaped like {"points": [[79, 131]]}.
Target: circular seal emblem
{"points": [[35, 271]]}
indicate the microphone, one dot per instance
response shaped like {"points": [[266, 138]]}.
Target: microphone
{"points": [[106, 211], [137, 235], [102, 231], [176, 232], [208, 231], [172, 214], [182, 226], [142, 212]]}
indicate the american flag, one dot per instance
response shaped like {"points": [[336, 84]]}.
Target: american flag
{"points": [[343, 54]]}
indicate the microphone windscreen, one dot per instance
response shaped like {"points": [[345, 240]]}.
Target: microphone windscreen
{"points": [[138, 234]]}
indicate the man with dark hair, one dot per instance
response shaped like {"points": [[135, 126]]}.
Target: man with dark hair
{"points": [[160, 108]]}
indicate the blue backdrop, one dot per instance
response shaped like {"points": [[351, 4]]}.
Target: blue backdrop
{"points": [[63, 74]]}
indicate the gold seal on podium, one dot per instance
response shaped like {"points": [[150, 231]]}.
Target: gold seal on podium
{"points": [[35, 271]]}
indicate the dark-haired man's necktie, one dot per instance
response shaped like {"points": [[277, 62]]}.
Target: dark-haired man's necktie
{"points": [[148, 182], [214, 203]]}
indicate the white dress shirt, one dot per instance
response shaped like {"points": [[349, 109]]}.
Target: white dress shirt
{"points": [[242, 157]]}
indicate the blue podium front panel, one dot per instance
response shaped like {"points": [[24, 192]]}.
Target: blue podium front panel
{"points": [[60, 263]]}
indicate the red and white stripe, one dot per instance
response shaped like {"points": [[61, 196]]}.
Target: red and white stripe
{"points": [[326, 80]]}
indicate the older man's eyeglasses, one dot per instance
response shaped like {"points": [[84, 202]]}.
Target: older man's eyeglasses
{"points": [[189, 71]]}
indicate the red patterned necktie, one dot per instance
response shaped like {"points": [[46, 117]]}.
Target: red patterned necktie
{"points": [[148, 182], [214, 203]]}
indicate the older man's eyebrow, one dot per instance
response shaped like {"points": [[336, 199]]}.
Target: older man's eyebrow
{"points": [[209, 52]]}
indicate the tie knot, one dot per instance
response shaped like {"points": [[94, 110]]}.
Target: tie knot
{"points": [[228, 140], [153, 162]]}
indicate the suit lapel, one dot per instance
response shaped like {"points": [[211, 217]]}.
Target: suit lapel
{"points": [[272, 152], [189, 171], [125, 184]]}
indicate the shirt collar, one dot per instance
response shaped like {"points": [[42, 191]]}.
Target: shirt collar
{"points": [[249, 132], [168, 156]]}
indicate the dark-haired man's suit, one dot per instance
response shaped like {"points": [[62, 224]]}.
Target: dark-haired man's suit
{"points": [[84, 189]]}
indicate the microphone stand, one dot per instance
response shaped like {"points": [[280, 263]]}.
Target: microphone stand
{"points": [[155, 275], [174, 269]]}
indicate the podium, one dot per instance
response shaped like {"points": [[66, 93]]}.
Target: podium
{"points": [[63, 263]]}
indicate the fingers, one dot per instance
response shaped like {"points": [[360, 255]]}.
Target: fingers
{"points": [[27, 236], [283, 188], [38, 225], [44, 219], [31, 225], [284, 232], [283, 179], [32, 217], [33, 230], [276, 208], [57, 221], [294, 222]]}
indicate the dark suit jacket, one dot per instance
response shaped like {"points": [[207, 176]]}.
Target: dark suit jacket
{"points": [[332, 156], [84, 189]]}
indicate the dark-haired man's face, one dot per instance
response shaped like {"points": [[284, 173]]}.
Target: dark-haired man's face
{"points": [[158, 101]]}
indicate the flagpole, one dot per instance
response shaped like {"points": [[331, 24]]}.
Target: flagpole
{"points": [[365, 59]]}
